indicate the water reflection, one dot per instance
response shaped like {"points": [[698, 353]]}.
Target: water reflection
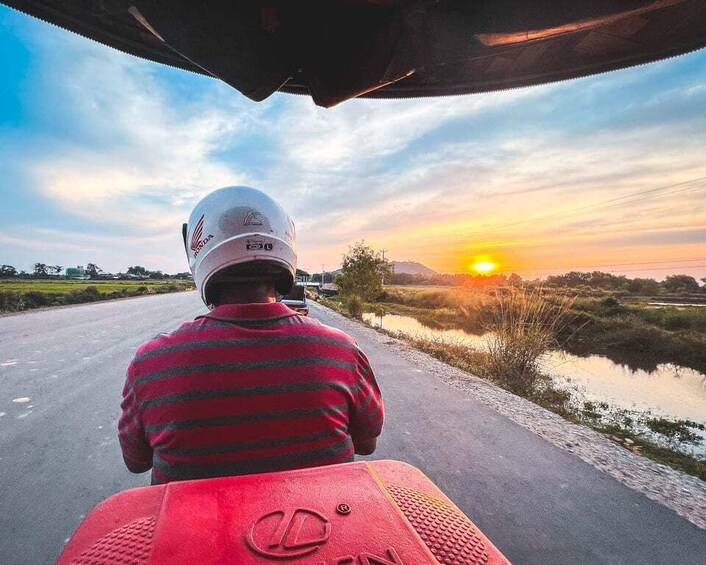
{"points": [[670, 391], [677, 305], [410, 326]]}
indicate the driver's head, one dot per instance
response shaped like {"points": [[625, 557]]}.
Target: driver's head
{"points": [[237, 237]]}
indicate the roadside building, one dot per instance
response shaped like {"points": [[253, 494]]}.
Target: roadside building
{"points": [[328, 289], [302, 276], [76, 273]]}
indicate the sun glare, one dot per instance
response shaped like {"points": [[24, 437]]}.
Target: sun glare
{"points": [[484, 267]]}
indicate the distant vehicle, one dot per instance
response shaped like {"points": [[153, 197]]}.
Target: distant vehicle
{"points": [[296, 300]]}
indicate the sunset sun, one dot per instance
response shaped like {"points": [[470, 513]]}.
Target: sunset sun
{"points": [[484, 267]]}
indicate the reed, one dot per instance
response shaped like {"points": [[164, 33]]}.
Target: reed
{"points": [[522, 325]]}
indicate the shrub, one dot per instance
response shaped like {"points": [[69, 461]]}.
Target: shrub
{"points": [[679, 430], [91, 293], [34, 299], [88, 294], [354, 305], [10, 302], [522, 325]]}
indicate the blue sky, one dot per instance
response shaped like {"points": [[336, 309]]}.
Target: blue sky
{"points": [[103, 155]]}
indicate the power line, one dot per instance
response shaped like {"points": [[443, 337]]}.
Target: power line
{"points": [[686, 186], [598, 206], [630, 270], [665, 268], [626, 264]]}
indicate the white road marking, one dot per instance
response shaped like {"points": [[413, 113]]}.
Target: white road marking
{"points": [[8, 363], [21, 399], [2, 414]]}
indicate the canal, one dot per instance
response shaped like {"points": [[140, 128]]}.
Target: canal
{"points": [[669, 391]]}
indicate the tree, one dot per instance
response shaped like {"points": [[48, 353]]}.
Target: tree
{"points": [[595, 279], [93, 270], [7, 271], [645, 287], [41, 270], [680, 283], [363, 272], [137, 270], [515, 280], [55, 269]]}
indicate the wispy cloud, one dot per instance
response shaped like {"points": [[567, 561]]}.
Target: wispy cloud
{"points": [[154, 157]]}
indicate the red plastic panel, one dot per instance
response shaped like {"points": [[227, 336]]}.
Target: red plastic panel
{"points": [[129, 544], [451, 537], [377, 513]]}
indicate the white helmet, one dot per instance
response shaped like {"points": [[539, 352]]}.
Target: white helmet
{"points": [[240, 226]]}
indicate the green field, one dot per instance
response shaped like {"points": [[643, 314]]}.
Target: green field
{"points": [[25, 294], [66, 286]]}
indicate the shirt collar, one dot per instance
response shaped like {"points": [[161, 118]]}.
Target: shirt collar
{"points": [[256, 311]]}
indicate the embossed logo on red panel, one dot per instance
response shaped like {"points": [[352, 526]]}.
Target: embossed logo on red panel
{"points": [[288, 533]]}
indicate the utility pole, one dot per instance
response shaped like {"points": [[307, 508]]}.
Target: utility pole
{"points": [[383, 251], [323, 275]]}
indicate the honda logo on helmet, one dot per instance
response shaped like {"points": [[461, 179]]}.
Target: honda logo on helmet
{"points": [[196, 242]]}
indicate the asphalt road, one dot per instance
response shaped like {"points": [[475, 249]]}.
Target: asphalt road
{"points": [[61, 375]]}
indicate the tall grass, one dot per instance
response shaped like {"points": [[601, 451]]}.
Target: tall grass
{"points": [[522, 326]]}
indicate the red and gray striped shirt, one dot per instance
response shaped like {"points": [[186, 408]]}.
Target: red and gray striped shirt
{"points": [[247, 388]]}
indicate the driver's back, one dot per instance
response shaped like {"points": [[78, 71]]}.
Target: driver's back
{"points": [[249, 388]]}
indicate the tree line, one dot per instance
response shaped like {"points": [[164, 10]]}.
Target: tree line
{"points": [[597, 280], [365, 271], [91, 271]]}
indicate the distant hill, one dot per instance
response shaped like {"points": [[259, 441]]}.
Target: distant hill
{"points": [[402, 268], [412, 268]]}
